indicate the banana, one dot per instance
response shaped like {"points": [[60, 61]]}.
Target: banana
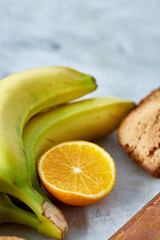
{"points": [[84, 120], [88, 120], [23, 95]]}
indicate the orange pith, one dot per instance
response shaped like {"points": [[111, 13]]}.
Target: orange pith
{"points": [[77, 172]]}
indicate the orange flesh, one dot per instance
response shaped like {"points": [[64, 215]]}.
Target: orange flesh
{"points": [[78, 168]]}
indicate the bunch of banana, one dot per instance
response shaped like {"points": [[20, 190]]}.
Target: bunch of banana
{"points": [[88, 120], [23, 95]]}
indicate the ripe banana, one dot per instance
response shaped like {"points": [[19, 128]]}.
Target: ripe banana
{"points": [[22, 95], [84, 120], [87, 120]]}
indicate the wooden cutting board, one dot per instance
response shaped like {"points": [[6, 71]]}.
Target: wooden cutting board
{"points": [[145, 225]]}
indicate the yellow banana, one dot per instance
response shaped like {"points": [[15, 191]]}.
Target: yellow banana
{"points": [[22, 95], [87, 120], [84, 120]]}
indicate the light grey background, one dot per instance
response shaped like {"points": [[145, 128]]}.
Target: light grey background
{"points": [[118, 42]]}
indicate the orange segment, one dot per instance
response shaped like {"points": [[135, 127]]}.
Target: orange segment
{"points": [[77, 172]]}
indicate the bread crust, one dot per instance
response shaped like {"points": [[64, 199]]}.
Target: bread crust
{"points": [[144, 119]]}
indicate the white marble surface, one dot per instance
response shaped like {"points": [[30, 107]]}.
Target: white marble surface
{"points": [[118, 42]]}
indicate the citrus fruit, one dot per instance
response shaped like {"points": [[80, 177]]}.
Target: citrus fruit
{"points": [[77, 172]]}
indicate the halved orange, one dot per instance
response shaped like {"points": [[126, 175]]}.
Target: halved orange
{"points": [[77, 172]]}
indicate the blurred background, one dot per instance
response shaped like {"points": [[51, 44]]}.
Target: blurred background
{"points": [[118, 42]]}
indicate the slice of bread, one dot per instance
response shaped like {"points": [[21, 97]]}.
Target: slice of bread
{"points": [[139, 134]]}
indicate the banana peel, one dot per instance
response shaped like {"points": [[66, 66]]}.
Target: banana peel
{"points": [[23, 95], [86, 120]]}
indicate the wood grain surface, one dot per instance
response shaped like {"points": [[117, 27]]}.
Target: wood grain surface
{"points": [[145, 225]]}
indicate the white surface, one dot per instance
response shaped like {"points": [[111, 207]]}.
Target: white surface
{"points": [[118, 42]]}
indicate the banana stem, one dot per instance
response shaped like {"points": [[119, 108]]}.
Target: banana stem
{"points": [[15, 214], [20, 216], [31, 198], [51, 221]]}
